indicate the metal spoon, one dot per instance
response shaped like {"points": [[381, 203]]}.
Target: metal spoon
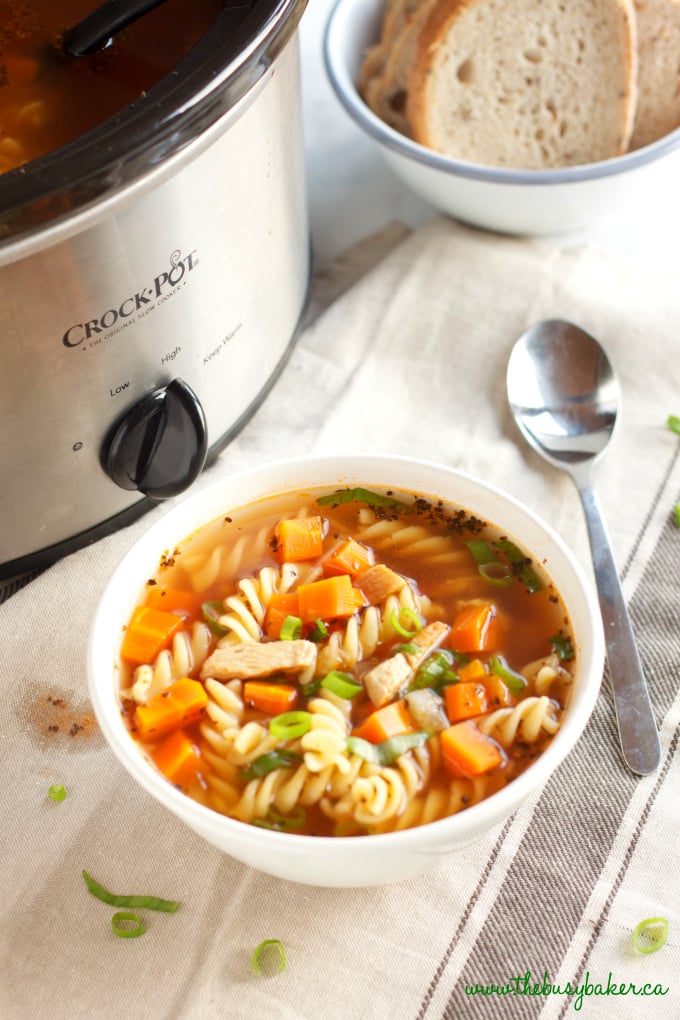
{"points": [[97, 29], [564, 397]]}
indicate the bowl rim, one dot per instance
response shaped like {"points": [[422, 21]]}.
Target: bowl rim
{"points": [[347, 93], [120, 592]]}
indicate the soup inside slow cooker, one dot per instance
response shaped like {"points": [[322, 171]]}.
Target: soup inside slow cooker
{"points": [[48, 98]]}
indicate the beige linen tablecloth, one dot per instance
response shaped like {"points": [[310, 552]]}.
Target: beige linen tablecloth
{"points": [[411, 360]]}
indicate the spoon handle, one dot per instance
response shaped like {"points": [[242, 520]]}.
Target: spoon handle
{"points": [[637, 728]]}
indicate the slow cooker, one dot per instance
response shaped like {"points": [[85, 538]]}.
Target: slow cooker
{"points": [[153, 273]]}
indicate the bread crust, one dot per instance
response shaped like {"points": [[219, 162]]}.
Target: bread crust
{"points": [[504, 103], [658, 103]]}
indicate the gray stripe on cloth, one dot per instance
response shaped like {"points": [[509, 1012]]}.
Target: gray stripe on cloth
{"points": [[569, 838]]}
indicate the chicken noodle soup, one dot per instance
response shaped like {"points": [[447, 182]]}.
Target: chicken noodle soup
{"points": [[48, 98], [346, 663]]}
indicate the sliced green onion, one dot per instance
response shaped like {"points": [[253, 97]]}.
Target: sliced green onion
{"points": [[521, 564], [515, 682], [290, 725], [388, 750], [406, 649], [676, 514], [361, 495], [119, 923], [57, 792], [563, 646], [649, 935], [481, 550], [211, 613], [319, 632], [435, 672], [498, 574], [310, 689], [150, 902], [282, 823], [341, 684], [268, 762], [291, 629], [264, 953], [673, 423], [411, 616]]}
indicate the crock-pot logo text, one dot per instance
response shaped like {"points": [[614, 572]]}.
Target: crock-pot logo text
{"points": [[135, 306]]}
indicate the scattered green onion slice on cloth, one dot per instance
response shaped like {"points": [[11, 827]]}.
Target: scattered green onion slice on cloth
{"points": [[341, 684], [120, 921], [650, 934], [291, 629], [290, 725], [57, 792], [673, 423], [264, 952], [150, 902]]}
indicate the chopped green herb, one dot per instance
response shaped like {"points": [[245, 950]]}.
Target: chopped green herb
{"points": [[290, 725], [435, 672], [673, 423], [211, 613], [319, 632], [282, 823], [341, 684], [649, 935], [388, 750], [361, 495], [676, 514], [291, 629], [563, 646], [150, 902], [57, 792], [268, 762], [266, 953], [521, 564], [310, 689], [120, 921], [514, 681]]}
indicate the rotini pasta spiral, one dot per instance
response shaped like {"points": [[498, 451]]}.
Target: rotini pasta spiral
{"points": [[526, 721]]}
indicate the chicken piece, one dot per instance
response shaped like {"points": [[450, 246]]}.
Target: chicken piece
{"points": [[425, 641], [249, 660], [383, 681], [378, 582]]}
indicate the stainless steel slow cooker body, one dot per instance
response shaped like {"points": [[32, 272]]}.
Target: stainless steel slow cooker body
{"points": [[152, 277]]}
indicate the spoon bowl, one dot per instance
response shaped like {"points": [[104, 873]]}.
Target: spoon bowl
{"points": [[564, 397]]}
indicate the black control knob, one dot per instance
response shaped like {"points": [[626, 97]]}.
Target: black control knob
{"points": [[159, 446]]}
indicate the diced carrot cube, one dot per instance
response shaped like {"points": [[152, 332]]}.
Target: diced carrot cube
{"points": [[177, 758], [148, 633], [475, 628], [300, 538], [468, 752], [465, 700], [178, 705], [327, 599], [349, 558], [390, 721]]}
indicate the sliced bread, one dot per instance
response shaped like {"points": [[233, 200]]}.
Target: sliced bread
{"points": [[386, 91], [532, 85], [658, 105]]}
